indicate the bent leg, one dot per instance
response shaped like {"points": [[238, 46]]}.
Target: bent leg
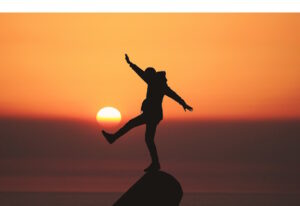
{"points": [[150, 134], [139, 120]]}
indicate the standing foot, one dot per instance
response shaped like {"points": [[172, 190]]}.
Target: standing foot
{"points": [[109, 137], [153, 167]]}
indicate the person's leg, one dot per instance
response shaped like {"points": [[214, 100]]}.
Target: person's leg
{"points": [[139, 120], [149, 137]]}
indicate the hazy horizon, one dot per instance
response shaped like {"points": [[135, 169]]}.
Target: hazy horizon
{"points": [[229, 157]]}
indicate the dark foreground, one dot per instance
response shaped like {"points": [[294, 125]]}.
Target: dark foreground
{"points": [[107, 199], [257, 157]]}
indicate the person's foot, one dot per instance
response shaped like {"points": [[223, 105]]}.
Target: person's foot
{"points": [[153, 167], [109, 137]]}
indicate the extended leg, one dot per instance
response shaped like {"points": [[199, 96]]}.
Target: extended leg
{"points": [[139, 120], [150, 134]]}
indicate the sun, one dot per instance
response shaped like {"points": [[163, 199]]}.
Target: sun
{"points": [[108, 115]]}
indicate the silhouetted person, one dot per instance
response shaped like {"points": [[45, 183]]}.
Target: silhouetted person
{"points": [[152, 109]]}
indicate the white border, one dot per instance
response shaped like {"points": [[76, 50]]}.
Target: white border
{"points": [[149, 5]]}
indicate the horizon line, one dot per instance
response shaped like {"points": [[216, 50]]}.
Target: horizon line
{"points": [[166, 119]]}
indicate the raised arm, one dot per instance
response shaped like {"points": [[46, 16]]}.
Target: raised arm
{"points": [[135, 68], [170, 93]]}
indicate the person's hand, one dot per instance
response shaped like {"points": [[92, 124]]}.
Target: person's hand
{"points": [[127, 59], [187, 107]]}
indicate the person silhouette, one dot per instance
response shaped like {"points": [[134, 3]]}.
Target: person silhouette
{"points": [[151, 109]]}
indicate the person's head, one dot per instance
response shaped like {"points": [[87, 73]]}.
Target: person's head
{"points": [[150, 72]]}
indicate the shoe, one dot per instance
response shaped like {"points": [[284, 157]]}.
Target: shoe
{"points": [[109, 137], [153, 167]]}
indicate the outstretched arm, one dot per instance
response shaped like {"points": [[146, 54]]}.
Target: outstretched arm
{"points": [[135, 68], [170, 93]]}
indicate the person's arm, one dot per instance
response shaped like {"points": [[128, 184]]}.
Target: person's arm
{"points": [[170, 93], [135, 68]]}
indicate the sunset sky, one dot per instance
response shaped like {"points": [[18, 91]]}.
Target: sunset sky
{"points": [[227, 66], [240, 73]]}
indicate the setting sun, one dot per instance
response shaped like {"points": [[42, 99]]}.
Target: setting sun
{"points": [[108, 114]]}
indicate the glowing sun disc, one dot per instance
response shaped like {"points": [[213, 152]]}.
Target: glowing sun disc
{"points": [[108, 114]]}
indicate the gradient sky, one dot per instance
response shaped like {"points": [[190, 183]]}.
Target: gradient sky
{"points": [[224, 65]]}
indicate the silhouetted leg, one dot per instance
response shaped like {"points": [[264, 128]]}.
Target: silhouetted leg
{"points": [[139, 120], [150, 134]]}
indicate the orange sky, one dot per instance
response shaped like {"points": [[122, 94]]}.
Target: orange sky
{"points": [[224, 65]]}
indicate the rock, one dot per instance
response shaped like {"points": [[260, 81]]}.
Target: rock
{"points": [[154, 188]]}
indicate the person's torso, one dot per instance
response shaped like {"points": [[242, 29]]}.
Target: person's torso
{"points": [[155, 93]]}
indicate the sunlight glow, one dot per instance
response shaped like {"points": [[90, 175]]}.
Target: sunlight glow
{"points": [[108, 114]]}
